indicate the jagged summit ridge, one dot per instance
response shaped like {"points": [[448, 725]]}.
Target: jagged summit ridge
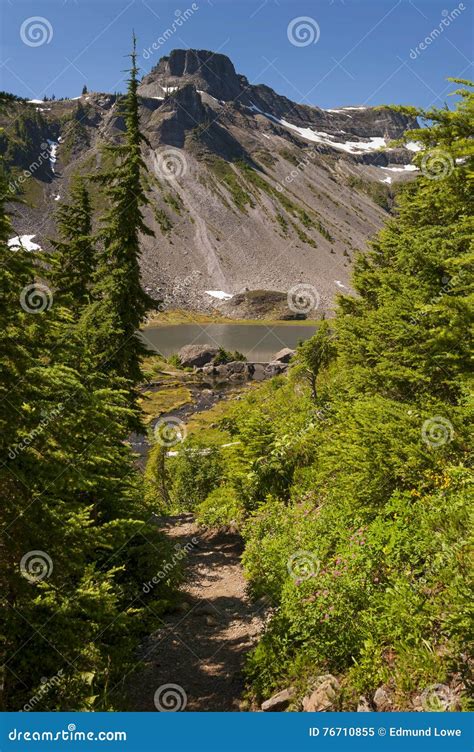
{"points": [[208, 71], [214, 74], [260, 177]]}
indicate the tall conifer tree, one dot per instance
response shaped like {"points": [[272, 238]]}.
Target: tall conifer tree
{"points": [[74, 260], [120, 301]]}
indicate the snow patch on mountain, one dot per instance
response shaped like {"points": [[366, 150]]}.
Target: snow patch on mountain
{"points": [[219, 294], [25, 242]]}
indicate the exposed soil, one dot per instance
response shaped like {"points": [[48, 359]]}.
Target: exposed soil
{"points": [[201, 648]]}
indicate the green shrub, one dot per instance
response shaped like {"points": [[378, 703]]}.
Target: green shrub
{"points": [[196, 471], [227, 356], [221, 507]]}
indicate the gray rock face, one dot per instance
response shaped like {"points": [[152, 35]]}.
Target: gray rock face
{"points": [[209, 71], [284, 355], [275, 368], [278, 702], [238, 370], [196, 355], [209, 129]]}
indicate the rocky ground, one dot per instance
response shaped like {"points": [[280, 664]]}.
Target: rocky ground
{"points": [[194, 661], [248, 190]]}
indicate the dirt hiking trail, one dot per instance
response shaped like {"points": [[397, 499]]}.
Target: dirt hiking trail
{"points": [[201, 648]]}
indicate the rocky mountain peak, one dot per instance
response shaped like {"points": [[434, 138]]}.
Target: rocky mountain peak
{"points": [[208, 71]]}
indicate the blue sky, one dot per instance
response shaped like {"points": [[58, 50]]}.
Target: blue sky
{"points": [[357, 51]]}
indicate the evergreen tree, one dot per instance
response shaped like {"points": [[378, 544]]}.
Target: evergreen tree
{"points": [[121, 303], [76, 543], [314, 356], [74, 260]]}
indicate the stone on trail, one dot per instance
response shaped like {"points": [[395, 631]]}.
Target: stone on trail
{"points": [[363, 705], [382, 699], [323, 698], [278, 702]]}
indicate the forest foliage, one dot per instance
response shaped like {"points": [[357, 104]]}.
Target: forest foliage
{"points": [[351, 478], [78, 539]]}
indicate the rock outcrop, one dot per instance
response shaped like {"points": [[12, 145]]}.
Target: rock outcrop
{"points": [[278, 702], [284, 355], [251, 194], [196, 355], [323, 697]]}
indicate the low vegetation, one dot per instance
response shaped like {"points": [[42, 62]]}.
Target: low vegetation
{"points": [[350, 478]]}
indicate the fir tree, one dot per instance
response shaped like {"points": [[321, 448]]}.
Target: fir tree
{"points": [[76, 544], [74, 260], [121, 303]]}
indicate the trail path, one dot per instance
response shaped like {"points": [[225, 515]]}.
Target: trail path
{"points": [[202, 647]]}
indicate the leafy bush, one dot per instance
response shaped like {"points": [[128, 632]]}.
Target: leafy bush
{"points": [[221, 507], [195, 472]]}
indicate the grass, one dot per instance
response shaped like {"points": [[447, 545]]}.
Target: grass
{"points": [[228, 176], [179, 316], [164, 400]]}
